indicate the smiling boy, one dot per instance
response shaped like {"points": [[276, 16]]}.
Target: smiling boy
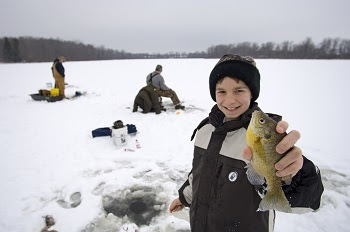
{"points": [[217, 191], [232, 97]]}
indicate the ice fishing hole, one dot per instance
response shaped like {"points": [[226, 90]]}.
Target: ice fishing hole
{"points": [[139, 203]]}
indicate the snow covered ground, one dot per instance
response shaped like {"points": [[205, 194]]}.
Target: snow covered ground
{"points": [[51, 165]]}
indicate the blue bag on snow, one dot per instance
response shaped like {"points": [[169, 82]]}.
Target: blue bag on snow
{"points": [[131, 128], [104, 131]]}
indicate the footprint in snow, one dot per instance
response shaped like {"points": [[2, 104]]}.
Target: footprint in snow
{"points": [[74, 201]]}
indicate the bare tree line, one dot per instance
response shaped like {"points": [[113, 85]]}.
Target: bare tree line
{"points": [[29, 49], [306, 49]]}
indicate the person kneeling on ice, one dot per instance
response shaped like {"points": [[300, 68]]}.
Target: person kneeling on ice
{"points": [[147, 100], [217, 190], [157, 80]]}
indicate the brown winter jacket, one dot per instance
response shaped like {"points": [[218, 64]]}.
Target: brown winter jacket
{"points": [[147, 100]]}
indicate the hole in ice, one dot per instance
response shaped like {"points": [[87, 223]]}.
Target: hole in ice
{"points": [[139, 203]]}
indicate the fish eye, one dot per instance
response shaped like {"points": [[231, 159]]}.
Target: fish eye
{"points": [[262, 121]]}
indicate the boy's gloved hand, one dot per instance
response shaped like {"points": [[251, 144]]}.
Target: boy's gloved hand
{"points": [[292, 162]]}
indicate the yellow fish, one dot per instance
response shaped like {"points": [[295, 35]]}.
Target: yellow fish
{"points": [[262, 139]]}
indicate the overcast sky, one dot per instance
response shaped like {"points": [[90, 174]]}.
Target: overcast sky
{"points": [[175, 25]]}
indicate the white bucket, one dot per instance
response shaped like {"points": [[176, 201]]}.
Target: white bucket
{"points": [[120, 136]]}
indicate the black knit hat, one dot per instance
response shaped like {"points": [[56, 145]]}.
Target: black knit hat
{"points": [[240, 67]]}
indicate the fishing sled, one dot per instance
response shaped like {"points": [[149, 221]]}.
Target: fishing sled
{"points": [[38, 97]]}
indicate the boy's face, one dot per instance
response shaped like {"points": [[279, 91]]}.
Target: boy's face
{"points": [[232, 97]]}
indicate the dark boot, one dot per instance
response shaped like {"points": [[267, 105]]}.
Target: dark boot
{"points": [[179, 107]]}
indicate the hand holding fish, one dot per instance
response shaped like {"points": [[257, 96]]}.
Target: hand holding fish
{"points": [[292, 162], [274, 159]]}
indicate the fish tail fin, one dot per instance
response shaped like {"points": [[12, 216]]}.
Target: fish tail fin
{"points": [[275, 200]]}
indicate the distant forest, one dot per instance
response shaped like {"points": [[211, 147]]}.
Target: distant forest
{"points": [[29, 49]]}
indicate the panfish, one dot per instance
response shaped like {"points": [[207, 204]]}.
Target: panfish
{"points": [[262, 139]]}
